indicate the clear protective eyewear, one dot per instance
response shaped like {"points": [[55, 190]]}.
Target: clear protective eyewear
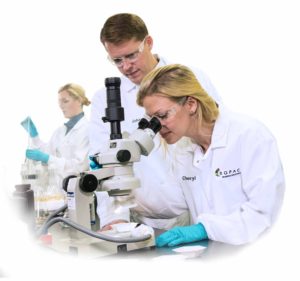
{"points": [[170, 112], [166, 115], [132, 57]]}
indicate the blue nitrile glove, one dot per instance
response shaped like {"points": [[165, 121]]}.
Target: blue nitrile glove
{"points": [[182, 234], [29, 126], [93, 164], [37, 155]]}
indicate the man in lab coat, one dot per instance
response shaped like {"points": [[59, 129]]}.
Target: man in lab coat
{"points": [[160, 202]]}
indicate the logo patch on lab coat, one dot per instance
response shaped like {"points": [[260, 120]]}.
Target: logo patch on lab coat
{"points": [[227, 173]]}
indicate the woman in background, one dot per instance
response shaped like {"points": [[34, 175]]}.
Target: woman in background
{"points": [[67, 150]]}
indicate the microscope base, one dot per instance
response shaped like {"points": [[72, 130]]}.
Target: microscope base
{"points": [[90, 247]]}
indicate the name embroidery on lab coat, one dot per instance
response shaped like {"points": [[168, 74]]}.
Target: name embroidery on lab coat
{"points": [[227, 173], [185, 178]]}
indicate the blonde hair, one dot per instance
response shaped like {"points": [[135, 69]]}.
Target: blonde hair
{"points": [[76, 92], [175, 82]]}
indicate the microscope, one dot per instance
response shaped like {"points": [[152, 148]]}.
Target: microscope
{"points": [[115, 175]]}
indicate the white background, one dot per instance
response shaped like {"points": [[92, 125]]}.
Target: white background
{"points": [[249, 49]]}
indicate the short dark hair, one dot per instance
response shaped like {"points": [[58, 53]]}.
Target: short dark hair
{"points": [[123, 27]]}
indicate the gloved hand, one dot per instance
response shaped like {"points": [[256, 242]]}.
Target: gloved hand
{"points": [[182, 234], [29, 126], [93, 164], [37, 155]]}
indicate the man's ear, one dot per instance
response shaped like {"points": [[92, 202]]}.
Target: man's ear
{"points": [[149, 42]]}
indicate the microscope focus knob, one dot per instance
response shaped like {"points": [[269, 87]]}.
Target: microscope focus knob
{"points": [[88, 183], [123, 155]]}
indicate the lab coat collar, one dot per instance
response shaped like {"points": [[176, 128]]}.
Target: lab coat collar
{"points": [[73, 121], [221, 128], [128, 85]]}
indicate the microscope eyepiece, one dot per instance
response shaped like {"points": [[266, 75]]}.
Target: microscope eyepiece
{"points": [[143, 124], [154, 124]]}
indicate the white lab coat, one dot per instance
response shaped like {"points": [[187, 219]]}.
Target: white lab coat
{"points": [[236, 188], [68, 153], [159, 198]]}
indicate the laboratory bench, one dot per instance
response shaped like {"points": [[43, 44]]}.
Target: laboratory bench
{"points": [[60, 242]]}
